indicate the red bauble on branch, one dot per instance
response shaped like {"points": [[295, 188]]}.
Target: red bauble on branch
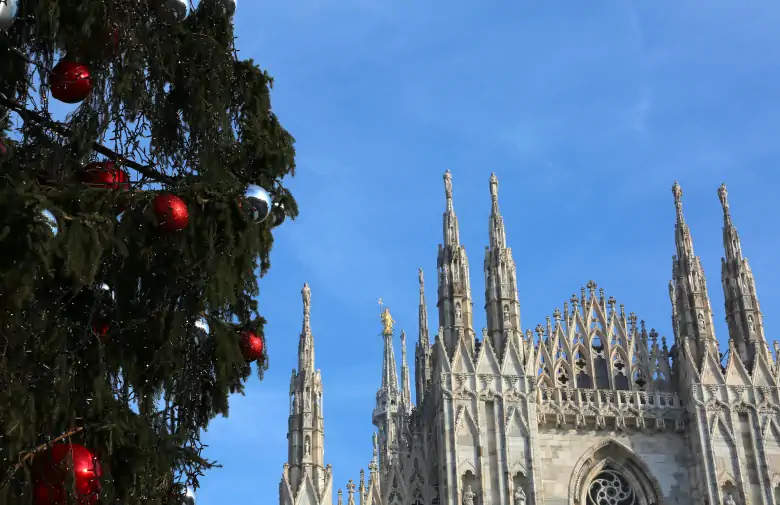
{"points": [[105, 174], [251, 346], [49, 475], [70, 81], [101, 329], [171, 212]]}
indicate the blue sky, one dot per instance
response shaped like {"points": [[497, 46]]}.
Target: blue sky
{"points": [[586, 111]]}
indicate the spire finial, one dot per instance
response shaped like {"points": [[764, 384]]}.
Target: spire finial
{"points": [[448, 184], [387, 321], [494, 192], [306, 293], [677, 192], [723, 194], [421, 279]]}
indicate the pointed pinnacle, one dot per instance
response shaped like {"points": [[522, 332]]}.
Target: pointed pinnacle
{"points": [[723, 194], [494, 192], [306, 294], [677, 192], [448, 185]]}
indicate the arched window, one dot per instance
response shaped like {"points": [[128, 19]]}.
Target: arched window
{"points": [[609, 487], [610, 474]]}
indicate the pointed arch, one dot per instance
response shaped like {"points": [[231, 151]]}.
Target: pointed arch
{"points": [[613, 459], [771, 435], [719, 422], [515, 425], [464, 416], [309, 495]]}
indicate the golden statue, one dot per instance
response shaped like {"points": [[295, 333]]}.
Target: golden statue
{"points": [[387, 322]]}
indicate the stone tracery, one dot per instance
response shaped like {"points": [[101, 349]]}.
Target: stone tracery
{"points": [[600, 347], [610, 488]]}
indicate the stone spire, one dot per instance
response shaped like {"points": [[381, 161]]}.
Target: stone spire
{"points": [[406, 391], [306, 342], [743, 312], [388, 398], [455, 305], [422, 352], [501, 299], [691, 309], [305, 437], [389, 370], [451, 231]]}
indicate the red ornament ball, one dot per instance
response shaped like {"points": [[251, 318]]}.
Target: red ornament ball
{"points": [[101, 329], [171, 212], [49, 475], [5, 150], [251, 346], [105, 174], [70, 81]]}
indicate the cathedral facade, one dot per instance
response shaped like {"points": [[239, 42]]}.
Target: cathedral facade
{"points": [[589, 408]]}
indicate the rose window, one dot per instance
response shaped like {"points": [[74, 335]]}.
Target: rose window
{"points": [[611, 488]]}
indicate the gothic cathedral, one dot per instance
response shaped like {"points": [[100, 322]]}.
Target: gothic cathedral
{"points": [[590, 408]]}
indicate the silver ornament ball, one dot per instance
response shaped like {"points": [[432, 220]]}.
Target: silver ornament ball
{"points": [[8, 12], [189, 497], [259, 203], [201, 331], [107, 290], [175, 11], [277, 214], [228, 6], [48, 218]]}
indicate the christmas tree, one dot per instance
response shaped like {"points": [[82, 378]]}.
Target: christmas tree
{"points": [[132, 235]]}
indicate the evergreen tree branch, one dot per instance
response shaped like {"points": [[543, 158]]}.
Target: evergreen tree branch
{"points": [[60, 129]]}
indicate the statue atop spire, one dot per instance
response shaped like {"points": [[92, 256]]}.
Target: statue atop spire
{"points": [[387, 322], [723, 194], [494, 192], [306, 294], [448, 185], [677, 192], [421, 279]]}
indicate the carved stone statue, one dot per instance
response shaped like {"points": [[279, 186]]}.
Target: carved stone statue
{"points": [[506, 313], [458, 311], [306, 447], [306, 293], [448, 184], [468, 496], [387, 322], [375, 444], [701, 322], [519, 496], [751, 323]]}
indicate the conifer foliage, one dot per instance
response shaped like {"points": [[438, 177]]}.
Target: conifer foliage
{"points": [[120, 332]]}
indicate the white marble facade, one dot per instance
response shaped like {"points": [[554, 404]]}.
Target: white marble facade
{"points": [[590, 408]]}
